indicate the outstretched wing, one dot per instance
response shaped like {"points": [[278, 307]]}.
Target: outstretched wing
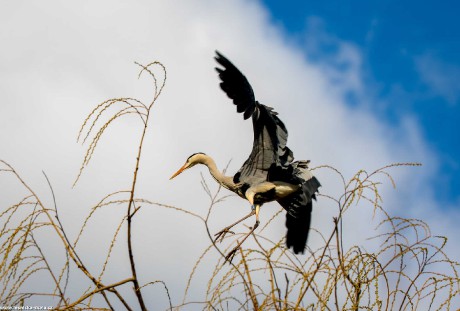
{"points": [[270, 134]]}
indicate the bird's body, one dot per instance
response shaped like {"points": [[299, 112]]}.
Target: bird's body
{"points": [[269, 174]]}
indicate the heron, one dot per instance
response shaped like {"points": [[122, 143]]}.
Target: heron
{"points": [[270, 173]]}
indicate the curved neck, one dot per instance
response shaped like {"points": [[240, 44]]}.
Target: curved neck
{"points": [[225, 181]]}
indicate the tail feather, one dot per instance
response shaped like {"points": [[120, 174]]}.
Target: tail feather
{"points": [[299, 207], [298, 228]]}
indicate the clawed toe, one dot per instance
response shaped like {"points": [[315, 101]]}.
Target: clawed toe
{"points": [[221, 234], [231, 254]]}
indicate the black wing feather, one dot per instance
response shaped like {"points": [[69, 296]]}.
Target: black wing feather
{"points": [[298, 228], [299, 204], [236, 86], [270, 134]]}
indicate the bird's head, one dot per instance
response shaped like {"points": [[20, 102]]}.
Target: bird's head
{"points": [[196, 158]]}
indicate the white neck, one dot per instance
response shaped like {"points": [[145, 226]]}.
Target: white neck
{"points": [[225, 181]]}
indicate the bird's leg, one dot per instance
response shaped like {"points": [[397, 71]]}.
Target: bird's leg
{"points": [[232, 253], [221, 234]]}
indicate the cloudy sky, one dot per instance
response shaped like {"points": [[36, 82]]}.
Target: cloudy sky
{"points": [[409, 59], [358, 87]]}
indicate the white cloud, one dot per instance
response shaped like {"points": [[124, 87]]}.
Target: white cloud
{"points": [[60, 60], [440, 76]]}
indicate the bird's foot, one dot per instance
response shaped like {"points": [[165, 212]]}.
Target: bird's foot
{"points": [[222, 233], [232, 254]]}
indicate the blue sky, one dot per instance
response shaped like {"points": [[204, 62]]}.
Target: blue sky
{"points": [[411, 63]]}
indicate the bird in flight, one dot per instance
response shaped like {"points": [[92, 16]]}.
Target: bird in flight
{"points": [[270, 173]]}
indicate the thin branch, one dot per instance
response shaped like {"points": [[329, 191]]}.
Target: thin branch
{"points": [[100, 289]]}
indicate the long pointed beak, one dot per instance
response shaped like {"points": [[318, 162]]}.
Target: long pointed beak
{"points": [[183, 168]]}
